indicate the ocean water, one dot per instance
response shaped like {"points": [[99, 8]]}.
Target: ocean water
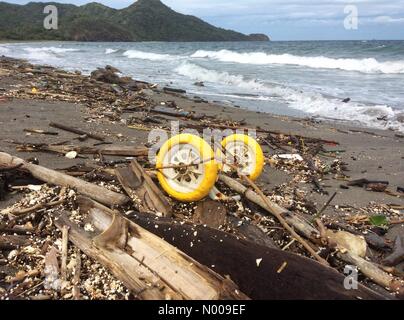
{"points": [[309, 78]]}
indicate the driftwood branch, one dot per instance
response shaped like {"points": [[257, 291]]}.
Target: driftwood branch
{"points": [[93, 191], [109, 150]]}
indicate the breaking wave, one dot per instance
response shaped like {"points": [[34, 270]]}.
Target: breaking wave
{"points": [[135, 54], [110, 51], [310, 102], [51, 50], [369, 65], [45, 54]]}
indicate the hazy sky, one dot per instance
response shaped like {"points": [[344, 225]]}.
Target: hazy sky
{"points": [[291, 19]]}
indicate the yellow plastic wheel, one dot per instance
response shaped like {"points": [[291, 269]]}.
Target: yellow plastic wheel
{"points": [[243, 152], [178, 175]]}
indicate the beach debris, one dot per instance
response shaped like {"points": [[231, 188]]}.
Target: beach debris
{"points": [[110, 75], [377, 186], [174, 90], [397, 256]]}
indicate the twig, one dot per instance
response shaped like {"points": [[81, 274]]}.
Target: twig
{"points": [[76, 131], [76, 277], [397, 221], [65, 240], [180, 166], [30, 289], [289, 244], [318, 214]]}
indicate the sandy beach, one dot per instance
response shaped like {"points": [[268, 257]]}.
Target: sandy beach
{"points": [[375, 155]]}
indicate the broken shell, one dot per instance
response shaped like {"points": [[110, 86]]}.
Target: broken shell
{"points": [[71, 155], [34, 187]]}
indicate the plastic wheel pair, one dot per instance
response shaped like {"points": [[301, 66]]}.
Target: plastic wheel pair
{"points": [[188, 167]]}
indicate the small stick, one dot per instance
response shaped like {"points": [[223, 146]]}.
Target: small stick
{"points": [[20, 214], [77, 131], [23, 212], [289, 244], [65, 240], [397, 221], [317, 215], [39, 131], [76, 277], [282, 267], [180, 166]]}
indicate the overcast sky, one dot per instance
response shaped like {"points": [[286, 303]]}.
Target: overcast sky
{"points": [[291, 19]]}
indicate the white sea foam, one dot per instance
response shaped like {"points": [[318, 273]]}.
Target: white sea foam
{"points": [[310, 102], [110, 51], [369, 65], [54, 50], [135, 54], [44, 54], [4, 50]]}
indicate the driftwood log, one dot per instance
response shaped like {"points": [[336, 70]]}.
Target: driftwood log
{"points": [[255, 268], [93, 191], [149, 266]]}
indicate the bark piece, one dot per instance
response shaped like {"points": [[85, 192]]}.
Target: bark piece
{"points": [[210, 213], [144, 193]]}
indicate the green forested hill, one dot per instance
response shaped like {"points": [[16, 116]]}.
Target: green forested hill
{"points": [[145, 20]]}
